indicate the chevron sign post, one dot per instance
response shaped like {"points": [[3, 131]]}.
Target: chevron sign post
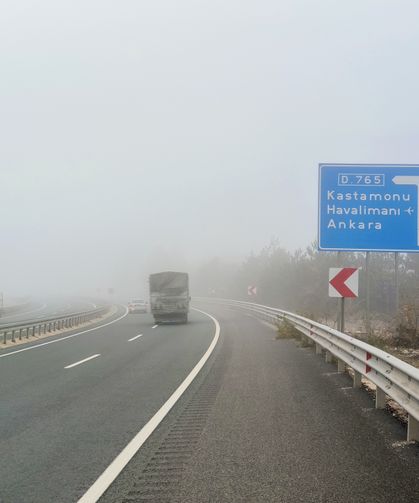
{"points": [[252, 291], [343, 283]]}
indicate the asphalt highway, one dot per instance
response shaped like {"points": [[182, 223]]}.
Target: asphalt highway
{"points": [[47, 308], [264, 421], [67, 408], [267, 421]]}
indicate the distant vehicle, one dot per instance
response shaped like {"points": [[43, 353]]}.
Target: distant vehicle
{"points": [[137, 306], [169, 296]]}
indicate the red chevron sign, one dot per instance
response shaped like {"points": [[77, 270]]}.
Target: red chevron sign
{"points": [[343, 281], [252, 290]]}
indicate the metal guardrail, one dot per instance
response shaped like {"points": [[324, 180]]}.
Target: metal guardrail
{"points": [[392, 376], [29, 329]]}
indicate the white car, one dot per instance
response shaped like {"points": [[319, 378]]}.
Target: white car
{"points": [[137, 306]]}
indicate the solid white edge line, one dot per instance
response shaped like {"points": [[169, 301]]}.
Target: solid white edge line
{"points": [[81, 361], [64, 338], [93, 494], [136, 337]]}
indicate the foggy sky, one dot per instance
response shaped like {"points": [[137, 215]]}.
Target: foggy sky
{"points": [[137, 135]]}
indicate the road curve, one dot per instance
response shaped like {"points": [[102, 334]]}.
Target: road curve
{"points": [[45, 309], [271, 422], [68, 408]]}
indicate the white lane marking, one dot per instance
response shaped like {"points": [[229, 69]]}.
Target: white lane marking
{"points": [[81, 361], [66, 337], [154, 326], [136, 337], [93, 494]]}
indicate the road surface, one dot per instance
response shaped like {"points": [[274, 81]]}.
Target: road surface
{"points": [[268, 421], [264, 421], [47, 309], [69, 407]]}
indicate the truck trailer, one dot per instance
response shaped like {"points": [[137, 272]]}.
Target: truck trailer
{"points": [[169, 297]]}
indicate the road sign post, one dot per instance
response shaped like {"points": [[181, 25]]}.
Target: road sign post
{"points": [[367, 293], [343, 283], [252, 291], [396, 281], [369, 207], [341, 327]]}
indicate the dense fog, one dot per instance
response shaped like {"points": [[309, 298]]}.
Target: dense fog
{"points": [[159, 135]]}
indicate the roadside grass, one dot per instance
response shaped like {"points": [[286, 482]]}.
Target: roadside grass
{"points": [[286, 330], [375, 340]]}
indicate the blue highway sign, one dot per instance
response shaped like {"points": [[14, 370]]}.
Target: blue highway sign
{"points": [[368, 207]]}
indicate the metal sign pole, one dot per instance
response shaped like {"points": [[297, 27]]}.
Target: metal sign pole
{"points": [[342, 314], [367, 293], [343, 282], [340, 309], [396, 280]]}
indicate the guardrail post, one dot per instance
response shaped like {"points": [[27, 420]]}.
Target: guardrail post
{"points": [[27, 332], [328, 357], [20, 334], [341, 366], [380, 399], [357, 379], [319, 349], [4, 337], [33, 331], [13, 336], [412, 428]]}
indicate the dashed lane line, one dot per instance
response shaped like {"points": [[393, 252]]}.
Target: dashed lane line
{"points": [[136, 337], [81, 361]]}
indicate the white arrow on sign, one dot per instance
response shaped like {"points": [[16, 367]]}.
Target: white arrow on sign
{"points": [[252, 290], [343, 282]]}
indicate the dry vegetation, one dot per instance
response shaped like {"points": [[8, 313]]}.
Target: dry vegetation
{"points": [[298, 281]]}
